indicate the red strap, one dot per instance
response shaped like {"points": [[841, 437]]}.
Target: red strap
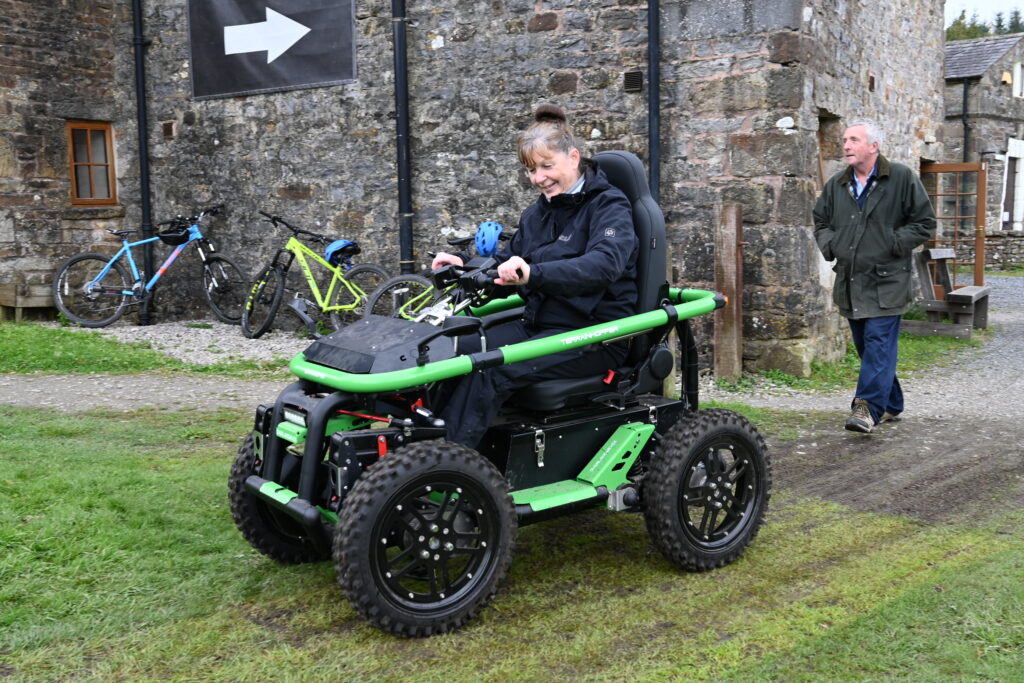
{"points": [[609, 377]]}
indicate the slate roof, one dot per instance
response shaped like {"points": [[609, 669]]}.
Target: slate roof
{"points": [[972, 58]]}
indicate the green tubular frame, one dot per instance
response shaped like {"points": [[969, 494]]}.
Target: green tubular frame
{"points": [[688, 303]]}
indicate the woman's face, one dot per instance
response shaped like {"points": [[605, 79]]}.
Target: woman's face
{"points": [[554, 172]]}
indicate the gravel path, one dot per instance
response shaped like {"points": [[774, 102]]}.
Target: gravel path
{"points": [[987, 382]]}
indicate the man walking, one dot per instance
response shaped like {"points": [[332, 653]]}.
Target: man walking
{"points": [[868, 219]]}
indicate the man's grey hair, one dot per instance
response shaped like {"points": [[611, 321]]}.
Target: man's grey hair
{"points": [[873, 130]]}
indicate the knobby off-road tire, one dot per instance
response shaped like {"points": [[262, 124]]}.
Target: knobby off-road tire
{"points": [[425, 538], [275, 535], [90, 310], [389, 298], [707, 489], [264, 299], [367, 277], [225, 288]]}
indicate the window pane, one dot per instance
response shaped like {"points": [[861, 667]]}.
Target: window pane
{"points": [[100, 186], [99, 147], [82, 179], [948, 207], [949, 183], [968, 182], [81, 151]]}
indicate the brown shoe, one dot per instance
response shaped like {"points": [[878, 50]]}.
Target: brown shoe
{"points": [[860, 419], [890, 417]]}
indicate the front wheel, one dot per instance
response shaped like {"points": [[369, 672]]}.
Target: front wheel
{"points": [[225, 288], [264, 299], [364, 279], [425, 538], [272, 533], [85, 301], [707, 489], [401, 297]]}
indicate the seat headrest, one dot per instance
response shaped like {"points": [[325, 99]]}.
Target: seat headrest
{"points": [[626, 172]]}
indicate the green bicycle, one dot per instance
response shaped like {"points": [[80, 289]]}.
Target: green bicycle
{"points": [[413, 296], [342, 300]]}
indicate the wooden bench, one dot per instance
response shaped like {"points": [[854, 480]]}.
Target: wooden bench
{"points": [[15, 298], [965, 307]]}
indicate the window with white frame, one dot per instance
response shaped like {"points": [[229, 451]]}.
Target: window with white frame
{"points": [[1013, 186], [1018, 80]]}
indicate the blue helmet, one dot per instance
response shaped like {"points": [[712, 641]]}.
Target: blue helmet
{"points": [[337, 250], [487, 235]]}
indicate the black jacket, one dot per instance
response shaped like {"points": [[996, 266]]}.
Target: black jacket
{"points": [[582, 252]]}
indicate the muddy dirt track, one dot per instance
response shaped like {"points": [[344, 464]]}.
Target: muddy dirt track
{"points": [[958, 452]]}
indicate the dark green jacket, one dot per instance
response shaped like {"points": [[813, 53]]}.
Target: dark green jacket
{"points": [[872, 246]]}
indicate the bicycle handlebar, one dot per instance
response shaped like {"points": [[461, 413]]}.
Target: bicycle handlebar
{"points": [[277, 220], [462, 241], [185, 221]]}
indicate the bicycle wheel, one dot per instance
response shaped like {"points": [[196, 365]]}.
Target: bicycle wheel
{"points": [[365, 277], [225, 288], [264, 300], [400, 296], [91, 307]]}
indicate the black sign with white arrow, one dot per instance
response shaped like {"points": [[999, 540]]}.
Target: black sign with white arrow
{"points": [[241, 47]]}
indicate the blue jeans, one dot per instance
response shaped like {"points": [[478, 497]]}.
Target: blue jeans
{"points": [[877, 341]]}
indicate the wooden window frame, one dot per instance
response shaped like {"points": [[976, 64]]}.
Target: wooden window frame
{"points": [[74, 164]]}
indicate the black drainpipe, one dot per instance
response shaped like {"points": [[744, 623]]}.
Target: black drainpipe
{"points": [[963, 117], [143, 131], [402, 137], [654, 97]]}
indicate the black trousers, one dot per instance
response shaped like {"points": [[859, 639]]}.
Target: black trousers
{"points": [[469, 404]]}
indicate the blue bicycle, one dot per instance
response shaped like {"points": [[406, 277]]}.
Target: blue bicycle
{"points": [[94, 290]]}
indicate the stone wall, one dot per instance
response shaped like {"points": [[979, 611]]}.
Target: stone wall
{"points": [[754, 94], [55, 65], [747, 87], [994, 116]]}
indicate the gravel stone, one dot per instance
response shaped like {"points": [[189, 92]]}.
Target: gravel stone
{"points": [[986, 382]]}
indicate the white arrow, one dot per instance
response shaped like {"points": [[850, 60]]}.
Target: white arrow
{"points": [[275, 35]]}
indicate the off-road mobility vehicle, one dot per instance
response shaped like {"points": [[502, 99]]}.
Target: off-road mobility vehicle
{"points": [[351, 463]]}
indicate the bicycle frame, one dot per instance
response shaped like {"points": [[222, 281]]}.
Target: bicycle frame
{"points": [[126, 252], [299, 252]]}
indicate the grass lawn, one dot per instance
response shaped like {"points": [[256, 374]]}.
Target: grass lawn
{"points": [[119, 561]]}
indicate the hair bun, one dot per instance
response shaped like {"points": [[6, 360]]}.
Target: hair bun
{"points": [[549, 113]]}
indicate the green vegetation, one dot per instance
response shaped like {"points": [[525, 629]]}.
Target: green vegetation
{"points": [[33, 348], [1017, 271], [916, 354], [963, 28], [119, 561]]}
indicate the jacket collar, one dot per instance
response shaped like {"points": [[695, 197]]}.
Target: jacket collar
{"points": [[883, 171]]}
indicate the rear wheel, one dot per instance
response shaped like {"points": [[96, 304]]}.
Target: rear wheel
{"points": [[225, 288], [707, 489], [264, 300], [82, 300], [365, 278], [274, 534], [425, 538], [400, 296]]}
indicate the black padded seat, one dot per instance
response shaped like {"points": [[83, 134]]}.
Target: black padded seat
{"points": [[626, 172]]}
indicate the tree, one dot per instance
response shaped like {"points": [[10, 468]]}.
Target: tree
{"points": [[961, 29], [1016, 22], [999, 25]]}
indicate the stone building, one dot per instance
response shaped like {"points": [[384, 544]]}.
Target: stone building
{"points": [[984, 98], [751, 98]]}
